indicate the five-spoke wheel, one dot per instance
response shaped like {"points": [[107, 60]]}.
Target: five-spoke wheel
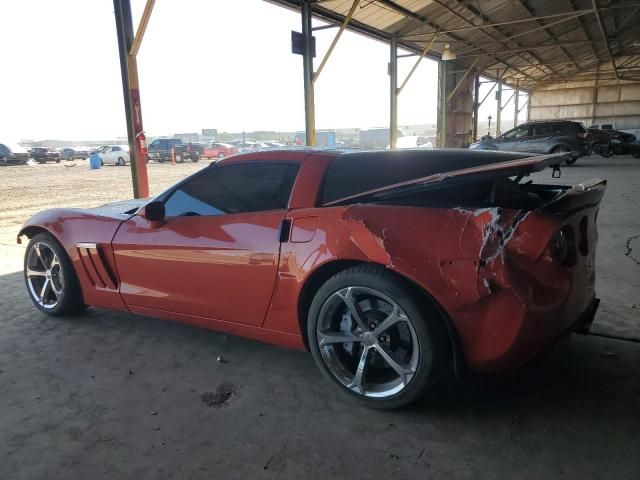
{"points": [[374, 337], [51, 281]]}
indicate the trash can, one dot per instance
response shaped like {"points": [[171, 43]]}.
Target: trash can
{"points": [[94, 162]]}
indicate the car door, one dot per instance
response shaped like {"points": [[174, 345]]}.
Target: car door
{"points": [[513, 140], [107, 156], [216, 254], [541, 138]]}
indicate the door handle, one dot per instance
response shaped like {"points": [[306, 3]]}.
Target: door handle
{"points": [[285, 230]]}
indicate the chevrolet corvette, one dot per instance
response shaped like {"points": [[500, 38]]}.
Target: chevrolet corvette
{"points": [[390, 267]]}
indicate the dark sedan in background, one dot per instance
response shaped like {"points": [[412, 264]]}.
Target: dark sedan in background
{"points": [[43, 154], [541, 137], [13, 154], [73, 154]]}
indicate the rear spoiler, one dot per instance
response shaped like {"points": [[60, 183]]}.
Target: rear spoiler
{"points": [[520, 167]]}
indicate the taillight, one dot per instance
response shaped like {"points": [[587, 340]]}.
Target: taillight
{"points": [[563, 246]]}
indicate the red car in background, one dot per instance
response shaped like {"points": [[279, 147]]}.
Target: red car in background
{"points": [[389, 266], [219, 150]]}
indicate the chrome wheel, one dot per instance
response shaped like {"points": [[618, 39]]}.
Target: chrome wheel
{"points": [[367, 342], [44, 275]]}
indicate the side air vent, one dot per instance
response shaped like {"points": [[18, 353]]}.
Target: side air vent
{"points": [[95, 266]]}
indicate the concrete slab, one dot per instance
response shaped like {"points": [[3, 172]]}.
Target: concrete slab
{"points": [[112, 395]]}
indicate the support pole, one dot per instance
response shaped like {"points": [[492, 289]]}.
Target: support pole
{"points": [[393, 93], [517, 104], [443, 106], [307, 63], [499, 113], [476, 106], [131, 94]]}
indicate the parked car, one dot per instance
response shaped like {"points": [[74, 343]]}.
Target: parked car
{"points": [[161, 150], [541, 137], [115, 155], [337, 252], [219, 150], [43, 155], [72, 154], [11, 153], [413, 141], [100, 149], [612, 126]]}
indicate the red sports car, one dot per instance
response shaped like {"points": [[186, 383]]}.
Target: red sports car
{"points": [[219, 150], [389, 266]]}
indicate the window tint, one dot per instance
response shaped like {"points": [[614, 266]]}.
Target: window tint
{"points": [[236, 188], [354, 173], [607, 126], [542, 129], [519, 132]]}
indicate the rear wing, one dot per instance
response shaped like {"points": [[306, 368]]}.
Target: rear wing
{"points": [[520, 167]]}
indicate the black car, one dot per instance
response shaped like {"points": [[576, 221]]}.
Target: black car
{"points": [[162, 149], [541, 137], [13, 154], [73, 154], [43, 155]]}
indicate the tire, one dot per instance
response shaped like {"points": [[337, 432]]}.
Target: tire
{"points": [[565, 149], [57, 292], [635, 152], [221, 155], [606, 151], [101, 162], [121, 162], [419, 329], [195, 158], [58, 160], [179, 158]]}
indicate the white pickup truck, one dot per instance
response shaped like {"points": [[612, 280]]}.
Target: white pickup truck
{"points": [[612, 126]]}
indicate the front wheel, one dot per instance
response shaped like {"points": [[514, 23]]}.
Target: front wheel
{"points": [[381, 344], [51, 281], [121, 162], [195, 158], [179, 158], [221, 155]]}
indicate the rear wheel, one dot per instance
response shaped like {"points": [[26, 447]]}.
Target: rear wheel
{"points": [[50, 278], [221, 155], [121, 161], [179, 158], [378, 342], [606, 151], [195, 158]]}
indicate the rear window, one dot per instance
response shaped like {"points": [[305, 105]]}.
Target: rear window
{"points": [[354, 173]]}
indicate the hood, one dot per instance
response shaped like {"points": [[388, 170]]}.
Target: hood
{"points": [[123, 207], [509, 168]]}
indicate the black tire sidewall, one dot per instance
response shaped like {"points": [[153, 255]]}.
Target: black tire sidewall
{"points": [[71, 300], [428, 333]]}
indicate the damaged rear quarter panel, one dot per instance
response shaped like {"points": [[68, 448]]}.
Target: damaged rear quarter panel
{"points": [[475, 263]]}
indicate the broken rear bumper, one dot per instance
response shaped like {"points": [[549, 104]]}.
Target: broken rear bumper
{"points": [[583, 325]]}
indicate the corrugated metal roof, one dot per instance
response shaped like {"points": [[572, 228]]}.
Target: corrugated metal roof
{"points": [[536, 41]]}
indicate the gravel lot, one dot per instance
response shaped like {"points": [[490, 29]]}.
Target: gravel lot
{"points": [[113, 395]]}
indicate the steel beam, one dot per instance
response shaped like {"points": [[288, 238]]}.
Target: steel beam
{"points": [[596, 11], [461, 81], [307, 66], [393, 92], [142, 27], [499, 112], [476, 106], [516, 110], [344, 24], [415, 65], [131, 95]]}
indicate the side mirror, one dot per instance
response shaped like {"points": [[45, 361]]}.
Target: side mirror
{"points": [[154, 211]]}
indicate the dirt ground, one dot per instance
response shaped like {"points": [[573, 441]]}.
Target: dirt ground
{"points": [[114, 395]]}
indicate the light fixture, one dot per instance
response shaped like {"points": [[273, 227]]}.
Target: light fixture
{"points": [[448, 53]]}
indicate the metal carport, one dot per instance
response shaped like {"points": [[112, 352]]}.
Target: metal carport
{"points": [[577, 59]]}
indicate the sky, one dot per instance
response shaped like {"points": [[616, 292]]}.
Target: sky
{"points": [[224, 64]]}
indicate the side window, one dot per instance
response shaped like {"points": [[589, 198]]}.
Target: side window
{"points": [[519, 132], [235, 188], [607, 126], [155, 143], [542, 129]]}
